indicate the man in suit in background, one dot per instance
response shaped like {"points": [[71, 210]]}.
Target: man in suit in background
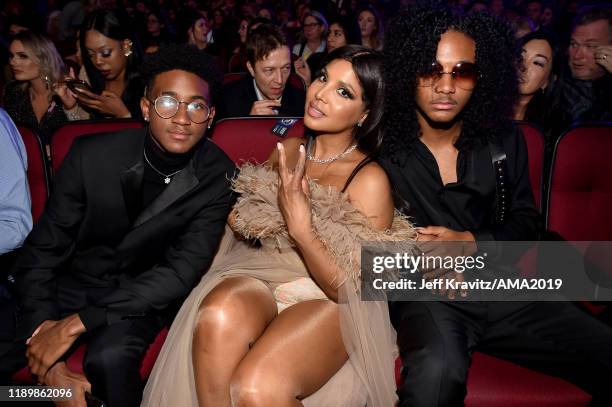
{"points": [[266, 92], [133, 222]]}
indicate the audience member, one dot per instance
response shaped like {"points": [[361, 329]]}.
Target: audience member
{"points": [[15, 213], [586, 88], [343, 31], [81, 278], [371, 28], [111, 57], [534, 10], [238, 61], [266, 92], [36, 98], [158, 33], [537, 80], [315, 29]]}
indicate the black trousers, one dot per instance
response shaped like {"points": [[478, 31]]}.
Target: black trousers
{"points": [[437, 339], [113, 357]]}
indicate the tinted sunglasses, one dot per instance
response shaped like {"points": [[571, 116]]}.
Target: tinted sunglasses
{"points": [[464, 74]]}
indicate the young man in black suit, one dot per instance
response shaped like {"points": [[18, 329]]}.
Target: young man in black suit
{"points": [[133, 222], [451, 82], [266, 92]]}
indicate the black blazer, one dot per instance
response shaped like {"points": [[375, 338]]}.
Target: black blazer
{"points": [[87, 238], [238, 97]]}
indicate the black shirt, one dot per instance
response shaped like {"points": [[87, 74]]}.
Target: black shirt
{"points": [[469, 204], [18, 105]]}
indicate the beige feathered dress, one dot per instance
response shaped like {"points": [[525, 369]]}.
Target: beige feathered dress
{"points": [[367, 378]]}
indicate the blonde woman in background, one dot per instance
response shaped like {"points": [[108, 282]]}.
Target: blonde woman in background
{"points": [[38, 97]]}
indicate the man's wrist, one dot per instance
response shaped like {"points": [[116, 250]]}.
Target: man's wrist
{"points": [[468, 236], [75, 326]]}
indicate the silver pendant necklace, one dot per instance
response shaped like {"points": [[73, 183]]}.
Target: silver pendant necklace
{"points": [[330, 159], [167, 177]]}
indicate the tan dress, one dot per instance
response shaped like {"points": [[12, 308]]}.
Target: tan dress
{"points": [[368, 375]]}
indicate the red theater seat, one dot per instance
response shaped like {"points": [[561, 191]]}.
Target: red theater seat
{"points": [[494, 382], [251, 138], [580, 186], [535, 151], [38, 172], [64, 136]]}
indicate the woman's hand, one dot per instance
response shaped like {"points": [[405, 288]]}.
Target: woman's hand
{"points": [[294, 197], [303, 70], [107, 103], [68, 98]]}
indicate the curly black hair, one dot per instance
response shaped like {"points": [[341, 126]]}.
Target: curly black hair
{"points": [[410, 47], [184, 57]]}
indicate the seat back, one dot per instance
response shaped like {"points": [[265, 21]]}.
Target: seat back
{"points": [[535, 152], [233, 77], [38, 171], [251, 138], [580, 185], [64, 136]]}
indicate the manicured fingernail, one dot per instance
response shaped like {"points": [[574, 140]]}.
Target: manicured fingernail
{"points": [[279, 145], [302, 149]]}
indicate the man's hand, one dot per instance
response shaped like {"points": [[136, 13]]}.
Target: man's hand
{"points": [[603, 56], [60, 376], [303, 70], [442, 234], [265, 108], [436, 234], [50, 341]]}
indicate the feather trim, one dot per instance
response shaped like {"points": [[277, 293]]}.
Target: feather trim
{"points": [[339, 225]]}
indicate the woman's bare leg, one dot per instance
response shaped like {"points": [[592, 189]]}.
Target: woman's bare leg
{"points": [[296, 355], [231, 318]]}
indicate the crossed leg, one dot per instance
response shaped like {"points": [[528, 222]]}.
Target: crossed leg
{"points": [[231, 318], [296, 355]]}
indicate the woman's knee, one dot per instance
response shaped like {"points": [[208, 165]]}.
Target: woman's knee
{"points": [[235, 306], [260, 386]]}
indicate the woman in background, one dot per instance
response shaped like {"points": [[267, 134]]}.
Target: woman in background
{"points": [[343, 31], [111, 57], [37, 98], [371, 28], [537, 78], [314, 27]]}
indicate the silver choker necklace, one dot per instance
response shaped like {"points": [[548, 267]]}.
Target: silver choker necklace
{"points": [[330, 159], [167, 178]]}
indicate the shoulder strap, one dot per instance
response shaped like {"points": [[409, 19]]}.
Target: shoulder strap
{"points": [[500, 168], [358, 168]]}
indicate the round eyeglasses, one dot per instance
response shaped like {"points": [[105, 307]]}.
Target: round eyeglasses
{"points": [[465, 75], [168, 106]]}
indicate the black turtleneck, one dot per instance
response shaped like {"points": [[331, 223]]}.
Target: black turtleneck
{"points": [[167, 163]]}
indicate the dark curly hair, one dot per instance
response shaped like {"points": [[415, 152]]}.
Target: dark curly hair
{"points": [[411, 43], [184, 57]]}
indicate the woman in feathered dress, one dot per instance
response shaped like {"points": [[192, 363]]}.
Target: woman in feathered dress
{"points": [[281, 322]]}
